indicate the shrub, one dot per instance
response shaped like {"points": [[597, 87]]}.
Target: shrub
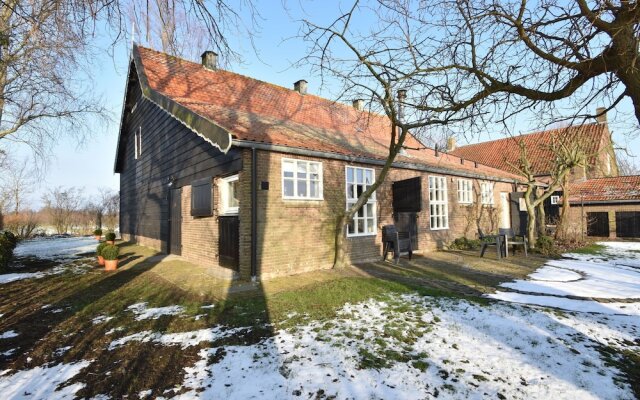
{"points": [[546, 246], [101, 247], [110, 236], [462, 243], [8, 242], [97, 232], [110, 252]]}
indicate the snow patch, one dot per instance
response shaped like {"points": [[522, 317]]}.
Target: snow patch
{"points": [[42, 383], [101, 319], [9, 334], [58, 248], [142, 312], [184, 339]]}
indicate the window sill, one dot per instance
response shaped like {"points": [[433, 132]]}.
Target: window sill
{"points": [[439, 229], [361, 235]]}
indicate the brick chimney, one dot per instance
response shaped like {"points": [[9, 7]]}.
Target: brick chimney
{"points": [[210, 60], [451, 144], [300, 86], [602, 119], [358, 104]]}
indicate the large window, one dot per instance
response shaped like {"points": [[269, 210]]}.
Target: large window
{"points": [[301, 179], [486, 192], [364, 221], [438, 203], [229, 195], [465, 191]]}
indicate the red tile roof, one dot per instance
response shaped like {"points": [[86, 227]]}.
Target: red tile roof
{"points": [[504, 153], [256, 111], [606, 189]]}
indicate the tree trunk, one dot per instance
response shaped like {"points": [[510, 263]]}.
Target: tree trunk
{"points": [[541, 218], [339, 256]]}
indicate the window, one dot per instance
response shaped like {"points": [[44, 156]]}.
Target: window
{"points": [[138, 143], [555, 199], [301, 179], [486, 192], [364, 221], [201, 198], [465, 191], [229, 195], [438, 203]]}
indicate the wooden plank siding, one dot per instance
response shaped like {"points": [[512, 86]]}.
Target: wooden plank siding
{"points": [[169, 149]]}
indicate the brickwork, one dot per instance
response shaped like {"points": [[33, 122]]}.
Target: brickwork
{"points": [[578, 214], [296, 236]]}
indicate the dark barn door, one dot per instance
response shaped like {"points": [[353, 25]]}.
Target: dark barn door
{"points": [[175, 222], [598, 224], [628, 224], [407, 202], [519, 217], [229, 241]]}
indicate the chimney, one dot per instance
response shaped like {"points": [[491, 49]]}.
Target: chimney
{"points": [[358, 104], [451, 144], [300, 86], [210, 60], [602, 119]]}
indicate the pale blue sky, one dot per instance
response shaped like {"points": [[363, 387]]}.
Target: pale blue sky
{"points": [[90, 165]]}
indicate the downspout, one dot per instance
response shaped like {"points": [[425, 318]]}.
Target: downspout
{"points": [[254, 217]]}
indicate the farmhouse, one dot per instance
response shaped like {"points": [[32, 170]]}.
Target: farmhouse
{"points": [[603, 204], [247, 178]]}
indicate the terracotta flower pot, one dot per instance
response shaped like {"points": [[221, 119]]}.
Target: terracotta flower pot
{"points": [[110, 265], [98, 237], [111, 241], [100, 260]]}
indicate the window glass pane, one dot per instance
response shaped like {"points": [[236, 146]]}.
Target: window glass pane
{"points": [[287, 169], [302, 170], [314, 168], [359, 175], [370, 225], [350, 191], [369, 177], [369, 210], [360, 212], [350, 228], [288, 187], [233, 199], [359, 190], [302, 188], [350, 175], [360, 225], [314, 191]]}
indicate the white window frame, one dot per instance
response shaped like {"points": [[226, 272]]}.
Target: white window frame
{"points": [[307, 181], [487, 193], [438, 203], [137, 138], [555, 199], [223, 187], [372, 201], [465, 191]]}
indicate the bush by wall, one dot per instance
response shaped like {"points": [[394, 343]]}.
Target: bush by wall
{"points": [[110, 252], [462, 243], [8, 242]]}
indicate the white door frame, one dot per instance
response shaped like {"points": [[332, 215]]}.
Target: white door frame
{"points": [[505, 210]]}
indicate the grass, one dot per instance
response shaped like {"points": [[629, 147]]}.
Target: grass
{"points": [[592, 249]]}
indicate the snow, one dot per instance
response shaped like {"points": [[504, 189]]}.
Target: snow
{"points": [[8, 334], [56, 247], [184, 339], [43, 382], [60, 269], [470, 351], [142, 312], [563, 303], [100, 319], [143, 394]]}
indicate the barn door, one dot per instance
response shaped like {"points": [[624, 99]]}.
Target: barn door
{"points": [[175, 222], [407, 202], [628, 224], [519, 216], [229, 241]]}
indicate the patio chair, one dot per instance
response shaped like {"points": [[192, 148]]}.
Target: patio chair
{"points": [[398, 241], [510, 238], [491, 240]]}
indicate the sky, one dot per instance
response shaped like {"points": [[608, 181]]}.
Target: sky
{"points": [[270, 58]]}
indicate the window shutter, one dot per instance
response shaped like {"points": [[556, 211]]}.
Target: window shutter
{"points": [[407, 195], [201, 198]]}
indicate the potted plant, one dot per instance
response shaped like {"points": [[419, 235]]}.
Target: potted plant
{"points": [[110, 253], [99, 249], [110, 237], [98, 233]]}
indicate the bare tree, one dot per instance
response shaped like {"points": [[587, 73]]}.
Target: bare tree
{"points": [[627, 165], [109, 203], [17, 180], [61, 204]]}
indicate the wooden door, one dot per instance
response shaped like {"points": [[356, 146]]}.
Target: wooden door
{"points": [[175, 222], [229, 240]]}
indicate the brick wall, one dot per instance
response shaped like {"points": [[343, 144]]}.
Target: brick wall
{"points": [[296, 236], [578, 217]]}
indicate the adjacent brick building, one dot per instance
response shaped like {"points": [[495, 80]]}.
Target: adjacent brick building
{"points": [[248, 178]]}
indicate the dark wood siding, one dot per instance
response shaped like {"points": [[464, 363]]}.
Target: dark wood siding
{"points": [[598, 224], [628, 224], [169, 150]]}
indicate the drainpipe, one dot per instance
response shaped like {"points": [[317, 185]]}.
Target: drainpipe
{"points": [[254, 217]]}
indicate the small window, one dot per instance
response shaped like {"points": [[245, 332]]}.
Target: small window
{"points": [[555, 199], [465, 191], [301, 180], [365, 220], [138, 143], [201, 204], [229, 195], [486, 192], [438, 203]]}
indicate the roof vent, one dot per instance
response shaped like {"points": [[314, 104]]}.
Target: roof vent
{"points": [[210, 60], [451, 144], [358, 104], [300, 86]]}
